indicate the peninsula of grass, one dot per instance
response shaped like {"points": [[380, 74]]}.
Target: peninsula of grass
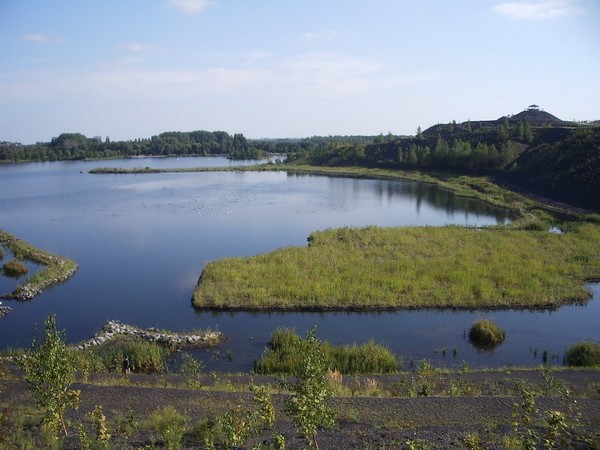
{"points": [[56, 268], [412, 267]]}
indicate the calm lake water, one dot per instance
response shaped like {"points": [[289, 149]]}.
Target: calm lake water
{"points": [[142, 241]]}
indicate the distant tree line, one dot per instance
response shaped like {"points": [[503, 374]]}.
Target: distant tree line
{"points": [[76, 146], [452, 146]]}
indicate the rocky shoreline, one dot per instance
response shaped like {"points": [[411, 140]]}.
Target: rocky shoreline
{"points": [[114, 328], [4, 310]]}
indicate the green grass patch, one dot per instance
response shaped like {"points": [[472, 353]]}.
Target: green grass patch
{"points": [[484, 333], [585, 354], [56, 268], [412, 267], [286, 354]]}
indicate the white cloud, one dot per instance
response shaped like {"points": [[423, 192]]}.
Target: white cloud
{"points": [[191, 6], [546, 9], [41, 37]]}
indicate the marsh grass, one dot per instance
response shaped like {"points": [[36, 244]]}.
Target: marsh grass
{"points": [[145, 357], [286, 353], [410, 267]]}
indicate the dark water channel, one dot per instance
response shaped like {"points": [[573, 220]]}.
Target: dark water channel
{"points": [[142, 241]]}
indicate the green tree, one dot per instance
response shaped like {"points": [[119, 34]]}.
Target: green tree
{"points": [[308, 405], [49, 372], [412, 155], [419, 133], [527, 133]]}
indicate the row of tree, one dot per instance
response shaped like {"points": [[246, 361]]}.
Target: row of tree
{"points": [[457, 154], [76, 146]]}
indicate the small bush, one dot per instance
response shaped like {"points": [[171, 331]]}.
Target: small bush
{"points": [[486, 334], [14, 268], [171, 425], [586, 354]]}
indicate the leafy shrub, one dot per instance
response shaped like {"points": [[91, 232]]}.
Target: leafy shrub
{"points": [[171, 425], [14, 268], [88, 362], [585, 354], [308, 404], [485, 334], [49, 372]]}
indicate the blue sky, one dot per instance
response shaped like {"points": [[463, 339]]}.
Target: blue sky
{"points": [[289, 68]]}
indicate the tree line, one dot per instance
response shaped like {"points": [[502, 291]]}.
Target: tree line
{"points": [[76, 146]]}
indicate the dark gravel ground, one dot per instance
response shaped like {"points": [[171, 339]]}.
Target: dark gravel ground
{"points": [[363, 422]]}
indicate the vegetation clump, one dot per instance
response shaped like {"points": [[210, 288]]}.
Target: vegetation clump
{"points": [[286, 354], [14, 268], [484, 333], [586, 354]]}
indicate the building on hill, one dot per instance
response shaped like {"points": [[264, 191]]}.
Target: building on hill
{"points": [[533, 108]]}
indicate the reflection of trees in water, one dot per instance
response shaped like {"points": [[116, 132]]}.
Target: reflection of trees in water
{"points": [[440, 199], [421, 193]]}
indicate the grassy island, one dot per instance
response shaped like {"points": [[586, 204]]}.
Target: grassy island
{"points": [[410, 267], [56, 268]]}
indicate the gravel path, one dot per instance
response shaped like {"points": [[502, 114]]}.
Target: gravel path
{"points": [[363, 422]]}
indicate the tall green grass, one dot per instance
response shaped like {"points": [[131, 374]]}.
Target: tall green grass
{"points": [[145, 357], [412, 267], [286, 353]]}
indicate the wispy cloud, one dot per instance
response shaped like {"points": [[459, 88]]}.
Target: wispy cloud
{"points": [[40, 38], [191, 6], [539, 10], [135, 47], [314, 35]]}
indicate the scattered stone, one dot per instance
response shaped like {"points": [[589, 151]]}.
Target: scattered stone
{"points": [[113, 328], [4, 310]]}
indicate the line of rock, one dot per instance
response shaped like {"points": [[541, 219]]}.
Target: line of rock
{"points": [[113, 328], [27, 291], [4, 310]]}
